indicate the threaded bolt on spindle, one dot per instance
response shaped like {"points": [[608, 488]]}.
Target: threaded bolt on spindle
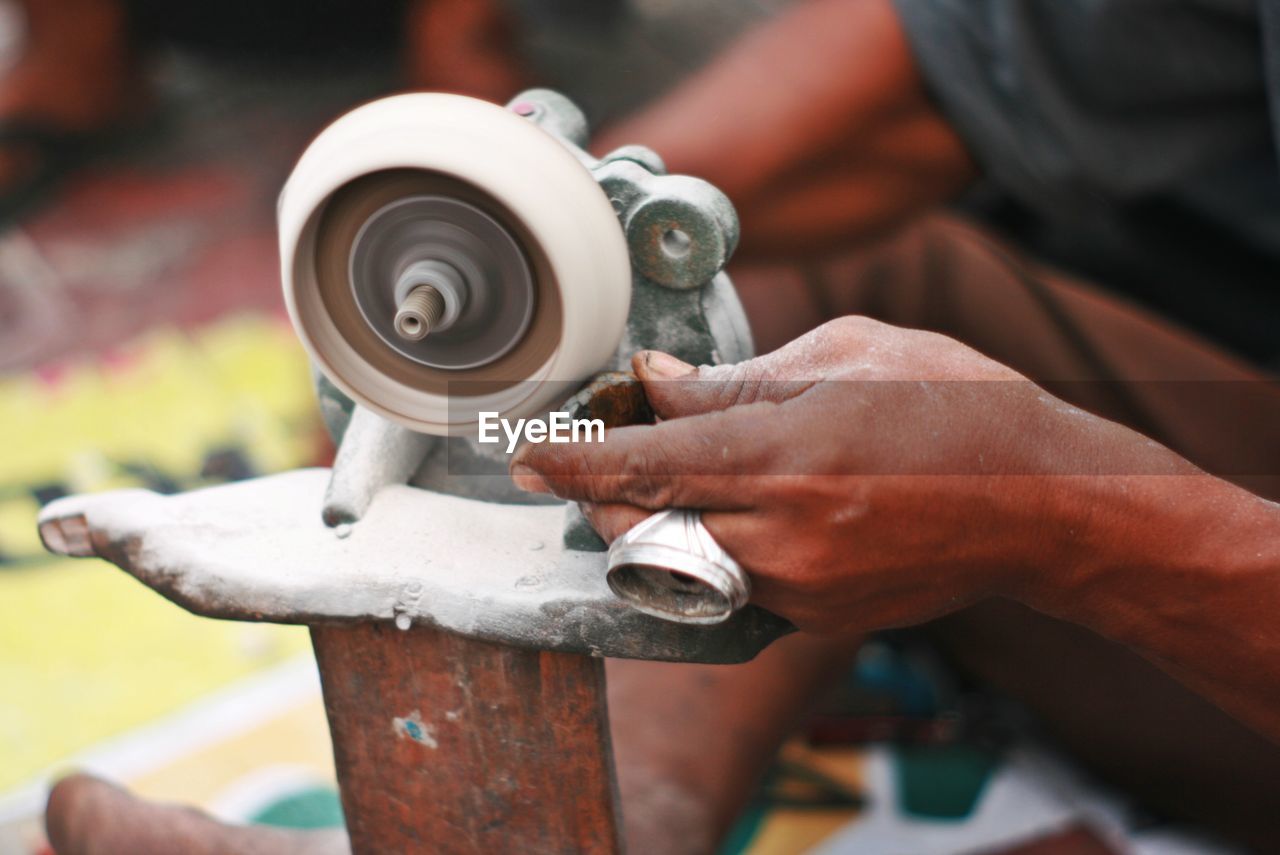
{"points": [[419, 313]]}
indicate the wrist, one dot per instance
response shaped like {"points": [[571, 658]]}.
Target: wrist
{"points": [[1135, 550], [1100, 500]]}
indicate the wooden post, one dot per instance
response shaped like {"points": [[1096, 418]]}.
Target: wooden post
{"points": [[446, 744]]}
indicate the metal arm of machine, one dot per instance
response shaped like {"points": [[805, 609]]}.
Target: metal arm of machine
{"points": [[459, 548]]}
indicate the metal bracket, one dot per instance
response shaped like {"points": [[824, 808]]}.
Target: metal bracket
{"points": [[259, 551]]}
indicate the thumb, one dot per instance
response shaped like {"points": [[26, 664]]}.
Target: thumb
{"points": [[676, 389]]}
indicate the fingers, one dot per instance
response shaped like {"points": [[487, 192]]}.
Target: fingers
{"points": [[676, 389], [703, 461], [753, 542], [717, 427], [611, 521]]}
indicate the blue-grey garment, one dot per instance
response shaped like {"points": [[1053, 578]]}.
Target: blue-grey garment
{"points": [[1135, 138]]}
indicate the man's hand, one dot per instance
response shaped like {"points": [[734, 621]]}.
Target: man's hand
{"points": [[872, 476], [865, 475]]}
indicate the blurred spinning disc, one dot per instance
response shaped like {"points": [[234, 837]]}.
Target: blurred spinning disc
{"points": [[442, 256]]}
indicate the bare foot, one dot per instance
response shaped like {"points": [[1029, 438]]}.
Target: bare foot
{"points": [[88, 816]]}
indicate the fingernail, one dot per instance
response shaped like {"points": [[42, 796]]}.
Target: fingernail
{"points": [[527, 479], [662, 364]]}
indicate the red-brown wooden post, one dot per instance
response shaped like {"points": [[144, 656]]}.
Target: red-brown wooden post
{"points": [[445, 744]]}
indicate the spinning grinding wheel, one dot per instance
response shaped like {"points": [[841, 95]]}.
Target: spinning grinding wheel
{"points": [[443, 256]]}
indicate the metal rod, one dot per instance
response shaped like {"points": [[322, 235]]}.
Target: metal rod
{"points": [[419, 313]]}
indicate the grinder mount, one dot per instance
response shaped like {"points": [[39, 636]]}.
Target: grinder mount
{"points": [[412, 526]]}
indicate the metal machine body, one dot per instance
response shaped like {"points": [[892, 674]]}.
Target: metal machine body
{"points": [[460, 548], [680, 233], [436, 592]]}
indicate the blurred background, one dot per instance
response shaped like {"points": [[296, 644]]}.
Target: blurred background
{"points": [[143, 343]]}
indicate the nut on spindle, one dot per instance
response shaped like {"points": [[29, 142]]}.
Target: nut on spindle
{"points": [[419, 313]]}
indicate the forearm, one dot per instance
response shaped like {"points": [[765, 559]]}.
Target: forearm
{"points": [[817, 123], [1183, 568]]}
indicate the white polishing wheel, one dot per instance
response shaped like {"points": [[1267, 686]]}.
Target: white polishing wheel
{"points": [[442, 256]]}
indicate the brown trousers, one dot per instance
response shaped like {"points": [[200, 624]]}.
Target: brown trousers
{"points": [[1085, 345]]}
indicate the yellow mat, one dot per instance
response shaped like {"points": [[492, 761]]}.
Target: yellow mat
{"points": [[86, 652]]}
